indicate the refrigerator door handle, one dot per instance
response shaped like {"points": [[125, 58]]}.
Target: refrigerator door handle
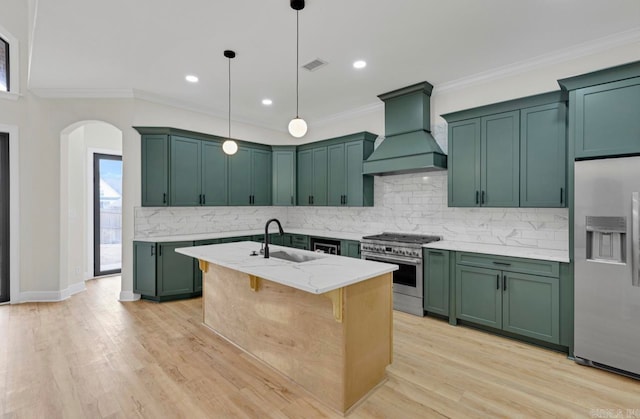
{"points": [[635, 239]]}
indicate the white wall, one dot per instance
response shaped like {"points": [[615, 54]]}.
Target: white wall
{"points": [[41, 121]]}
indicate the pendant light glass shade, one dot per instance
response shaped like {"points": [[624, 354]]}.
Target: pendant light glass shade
{"points": [[297, 126], [230, 147]]}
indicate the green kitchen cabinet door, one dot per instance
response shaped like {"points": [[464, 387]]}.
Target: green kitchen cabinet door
{"points": [[155, 170], [260, 177], [531, 306], [607, 119], [320, 175], [284, 176], [240, 177], [500, 160], [175, 270], [464, 163], [185, 171], [336, 175], [144, 268], [436, 281], [304, 178], [214, 174], [479, 295], [543, 152], [350, 248]]}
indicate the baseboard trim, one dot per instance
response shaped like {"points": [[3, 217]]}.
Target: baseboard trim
{"points": [[51, 296], [128, 296]]}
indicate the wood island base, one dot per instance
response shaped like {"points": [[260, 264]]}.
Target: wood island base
{"points": [[335, 345]]}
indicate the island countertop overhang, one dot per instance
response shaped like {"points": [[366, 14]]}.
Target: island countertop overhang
{"points": [[323, 274]]}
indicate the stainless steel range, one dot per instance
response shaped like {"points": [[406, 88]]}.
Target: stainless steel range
{"points": [[404, 250]]}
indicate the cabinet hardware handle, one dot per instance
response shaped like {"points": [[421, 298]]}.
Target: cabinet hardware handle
{"points": [[504, 282], [482, 201], [435, 253], [159, 250], [345, 199], [164, 198], [561, 196], [204, 199], [477, 201], [501, 263], [498, 281], [291, 199], [312, 199], [153, 248]]}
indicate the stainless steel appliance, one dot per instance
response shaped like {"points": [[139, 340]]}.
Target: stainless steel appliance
{"points": [[404, 250], [607, 264], [323, 245]]}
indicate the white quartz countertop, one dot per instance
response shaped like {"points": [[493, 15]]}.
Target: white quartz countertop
{"points": [[326, 273], [273, 229], [502, 250]]}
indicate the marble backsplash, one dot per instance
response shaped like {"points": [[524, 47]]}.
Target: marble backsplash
{"points": [[415, 203]]}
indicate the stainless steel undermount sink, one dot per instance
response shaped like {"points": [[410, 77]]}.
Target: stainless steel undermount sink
{"points": [[294, 256]]}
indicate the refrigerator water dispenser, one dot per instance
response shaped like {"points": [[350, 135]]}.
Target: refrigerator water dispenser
{"points": [[606, 239]]}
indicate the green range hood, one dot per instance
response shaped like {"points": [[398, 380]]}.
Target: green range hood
{"points": [[408, 146]]}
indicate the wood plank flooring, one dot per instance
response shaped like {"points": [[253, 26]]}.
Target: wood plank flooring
{"points": [[94, 357]]}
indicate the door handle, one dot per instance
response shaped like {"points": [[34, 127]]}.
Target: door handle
{"points": [[561, 196], [477, 200], [312, 199], [345, 199], [504, 282], [498, 281], [204, 199], [164, 198], [501, 263], [482, 200], [153, 248], [291, 199], [159, 250], [635, 239]]}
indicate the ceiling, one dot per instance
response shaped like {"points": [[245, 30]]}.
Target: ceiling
{"points": [[146, 47]]}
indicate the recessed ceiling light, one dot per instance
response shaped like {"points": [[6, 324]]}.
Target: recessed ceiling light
{"points": [[191, 78], [267, 102], [359, 64]]}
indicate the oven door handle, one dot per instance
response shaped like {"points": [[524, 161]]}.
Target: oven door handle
{"points": [[377, 258]]}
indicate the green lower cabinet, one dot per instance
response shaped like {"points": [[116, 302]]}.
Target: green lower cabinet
{"points": [[299, 241], [519, 303], [236, 239], [479, 295], [531, 306], [436, 281], [144, 268], [350, 248], [162, 274]]}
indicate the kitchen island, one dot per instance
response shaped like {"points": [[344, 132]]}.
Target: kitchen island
{"points": [[322, 320]]}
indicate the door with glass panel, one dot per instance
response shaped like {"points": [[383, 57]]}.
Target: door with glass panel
{"points": [[4, 217], [107, 214]]}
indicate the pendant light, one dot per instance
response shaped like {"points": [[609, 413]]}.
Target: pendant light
{"points": [[230, 147], [297, 126]]}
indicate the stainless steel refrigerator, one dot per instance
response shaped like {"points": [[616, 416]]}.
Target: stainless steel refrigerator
{"points": [[607, 264]]}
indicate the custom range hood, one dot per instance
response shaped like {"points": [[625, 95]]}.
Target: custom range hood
{"points": [[408, 146]]}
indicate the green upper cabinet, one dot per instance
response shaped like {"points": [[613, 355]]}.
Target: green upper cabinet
{"points": [[312, 176], [284, 175], [330, 172], [186, 176], [543, 153], [250, 177], [605, 111], [501, 155], [214, 174], [464, 163], [155, 170], [500, 160]]}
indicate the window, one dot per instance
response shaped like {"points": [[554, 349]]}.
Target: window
{"points": [[4, 66]]}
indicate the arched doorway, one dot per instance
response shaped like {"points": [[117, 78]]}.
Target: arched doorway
{"points": [[79, 145]]}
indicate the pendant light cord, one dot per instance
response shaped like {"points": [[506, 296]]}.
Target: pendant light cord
{"points": [[297, 59], [229, 98]]}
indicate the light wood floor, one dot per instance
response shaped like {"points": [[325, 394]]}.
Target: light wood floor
{"points": [[92, 357]]}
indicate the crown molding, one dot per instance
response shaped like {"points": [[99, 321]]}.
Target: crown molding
{"points": [[370, 108], [578, 51]]}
